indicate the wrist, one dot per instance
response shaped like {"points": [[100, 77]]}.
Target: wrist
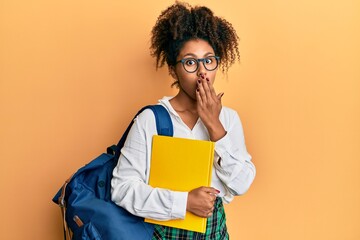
{"points": [[216, 132]]}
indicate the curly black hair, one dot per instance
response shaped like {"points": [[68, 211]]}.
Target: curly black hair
{"points": [[180, 23]]}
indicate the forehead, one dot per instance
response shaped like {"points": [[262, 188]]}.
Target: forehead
{"points": [[197, 48]]}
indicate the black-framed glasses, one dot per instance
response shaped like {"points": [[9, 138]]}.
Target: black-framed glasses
{"points": [[192, 64]]}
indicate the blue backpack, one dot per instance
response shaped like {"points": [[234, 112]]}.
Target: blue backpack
{"points": [[85, 198]]}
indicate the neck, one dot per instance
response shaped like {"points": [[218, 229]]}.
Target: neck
{"points": [[183, 102]]}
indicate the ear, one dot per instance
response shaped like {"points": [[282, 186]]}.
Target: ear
{"points": [[172, 72]]}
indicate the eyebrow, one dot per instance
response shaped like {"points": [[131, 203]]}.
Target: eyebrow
{"points": [[193, 55]]}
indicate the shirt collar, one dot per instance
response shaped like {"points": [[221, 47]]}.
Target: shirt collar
{"points": [[165, 101]]}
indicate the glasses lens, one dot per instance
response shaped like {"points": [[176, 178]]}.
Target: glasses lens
{"points": [[190, 64], [210, 63]]}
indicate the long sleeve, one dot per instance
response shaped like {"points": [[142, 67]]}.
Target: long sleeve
{"points": [[233, 166], [130, 177], [130, 189]]}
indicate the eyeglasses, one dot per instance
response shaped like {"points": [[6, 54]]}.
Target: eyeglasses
{"points": [[192, 64]]}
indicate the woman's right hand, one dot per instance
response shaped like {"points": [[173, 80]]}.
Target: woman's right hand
{"points": [[201, 201]]}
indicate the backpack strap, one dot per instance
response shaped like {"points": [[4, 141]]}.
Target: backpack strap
{"points": [[164, 124], [163, 121]]}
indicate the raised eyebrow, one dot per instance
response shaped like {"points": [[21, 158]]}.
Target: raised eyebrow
{"points": [[209, 54], [191, 55]]}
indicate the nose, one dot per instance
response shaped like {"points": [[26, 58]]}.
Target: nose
{"points": [[201, 71]]}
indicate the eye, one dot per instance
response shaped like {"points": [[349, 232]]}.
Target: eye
{"points": [[208, 60], [190, 62]]}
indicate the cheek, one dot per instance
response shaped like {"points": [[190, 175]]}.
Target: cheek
{"points": [[212, 77]]}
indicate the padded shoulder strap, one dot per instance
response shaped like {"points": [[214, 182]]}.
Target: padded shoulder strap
{"points": [[163, 121], [164, 125]]}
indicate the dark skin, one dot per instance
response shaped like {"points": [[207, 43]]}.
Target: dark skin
{"points": [[197, 99]]}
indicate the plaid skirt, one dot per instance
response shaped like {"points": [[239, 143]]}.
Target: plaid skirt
{"points": [[215, 228]]}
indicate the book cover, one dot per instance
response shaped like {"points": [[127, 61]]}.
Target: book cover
{"points": [[181, 164]]}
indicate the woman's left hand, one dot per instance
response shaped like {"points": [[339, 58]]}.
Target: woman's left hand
{"points": [[209, 107]]}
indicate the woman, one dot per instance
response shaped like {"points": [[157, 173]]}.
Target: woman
{"points": [[193, 43]]}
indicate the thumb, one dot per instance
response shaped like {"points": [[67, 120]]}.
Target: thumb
{"points": [[211, 190]]}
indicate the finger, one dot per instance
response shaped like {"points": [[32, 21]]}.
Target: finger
{"points": [[199, 100], [219, 96], [213, 198], [211, 212], [207, 85], [202, 90], [212, 91]]}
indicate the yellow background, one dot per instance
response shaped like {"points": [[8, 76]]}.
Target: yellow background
{"points": [[73, 73]]}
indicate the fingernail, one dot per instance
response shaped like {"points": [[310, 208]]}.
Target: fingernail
{"points": [[198, 81], [217, 191], [222, 94]]}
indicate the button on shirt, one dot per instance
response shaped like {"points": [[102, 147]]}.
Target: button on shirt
{"points": [[233, 176]]}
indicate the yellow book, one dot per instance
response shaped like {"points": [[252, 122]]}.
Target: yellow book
{"points": [[181, 164]]}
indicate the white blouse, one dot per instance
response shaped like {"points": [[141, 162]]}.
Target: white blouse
{"points": [[129, 185]]}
